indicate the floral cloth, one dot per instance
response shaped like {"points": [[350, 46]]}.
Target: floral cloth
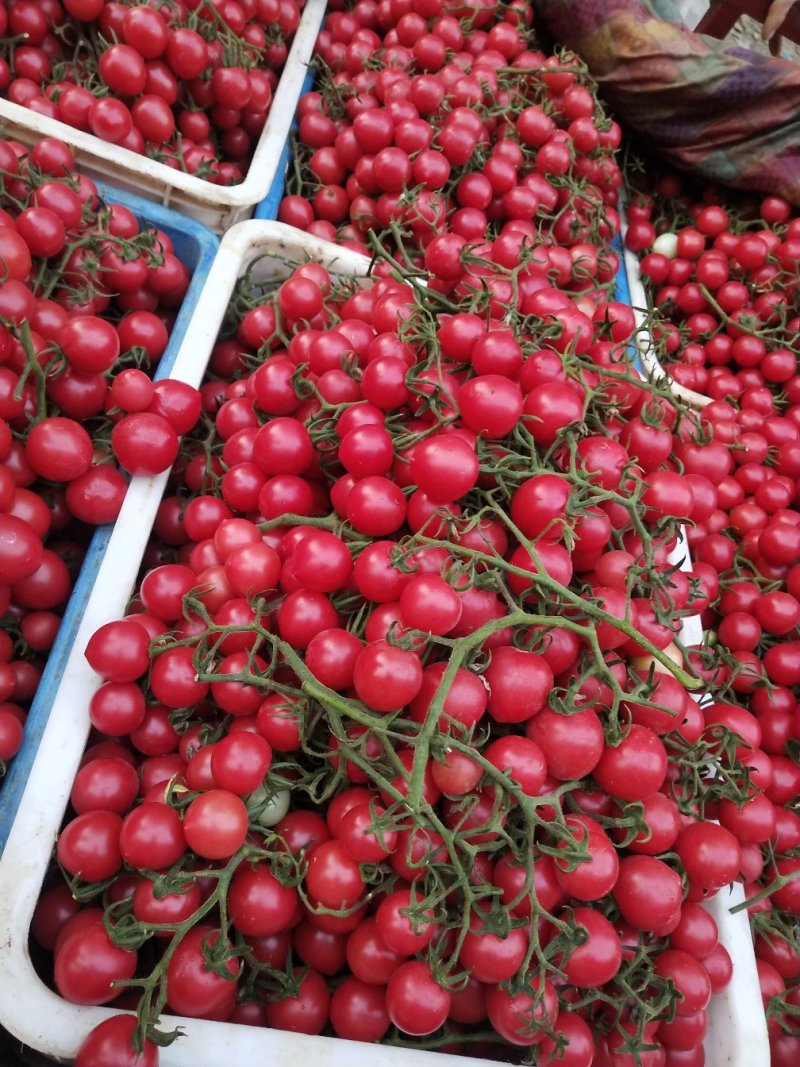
{"points": [[728, 113]]}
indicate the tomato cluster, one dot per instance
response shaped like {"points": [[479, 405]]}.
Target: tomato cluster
{"points": [[749, 543], [406, 653], [374, 607], [403, 659], [433, 123], [87, 300], [187, 83], [726, 287]]}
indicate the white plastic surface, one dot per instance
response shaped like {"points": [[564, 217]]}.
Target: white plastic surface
{"points": [[644, 340], [40, 1018], [737, 1027], [218, 207]]}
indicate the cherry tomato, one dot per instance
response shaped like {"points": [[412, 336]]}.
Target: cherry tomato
{"points": [[415, 1003], [194, 989], [258, 904], [87, 964], [215, 824], [110, 1044]]}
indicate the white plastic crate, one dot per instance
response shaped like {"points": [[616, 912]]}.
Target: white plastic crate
{"points": [[43, 1020], [218, 207]]}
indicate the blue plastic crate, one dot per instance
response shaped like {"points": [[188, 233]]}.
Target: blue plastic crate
{"points": [[268, 207], [196, 247]]}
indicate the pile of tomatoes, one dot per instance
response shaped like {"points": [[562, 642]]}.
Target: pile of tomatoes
{"points": [[440, 122], [727, 290], [187, 82], [87, 301], [405, 677], [406, 655], [723, 277]]}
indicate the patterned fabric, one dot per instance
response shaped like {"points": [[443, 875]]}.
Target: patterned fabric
{"points": [[727, 113]]}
